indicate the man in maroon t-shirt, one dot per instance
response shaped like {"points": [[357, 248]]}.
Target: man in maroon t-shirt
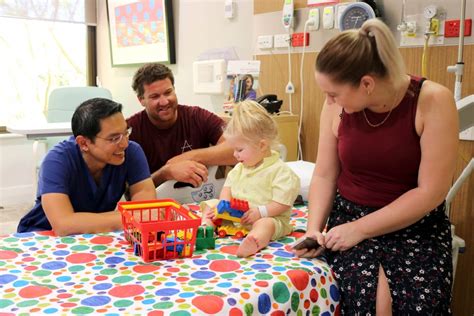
{"points": [[176, 138]]}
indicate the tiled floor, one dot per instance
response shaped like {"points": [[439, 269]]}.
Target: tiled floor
{"points": [[10, 216]]}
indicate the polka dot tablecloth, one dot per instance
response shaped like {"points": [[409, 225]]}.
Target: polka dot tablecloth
{"points": [[98, 273]]}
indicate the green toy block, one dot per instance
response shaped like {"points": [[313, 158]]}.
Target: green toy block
{"points": [[205, 239]]}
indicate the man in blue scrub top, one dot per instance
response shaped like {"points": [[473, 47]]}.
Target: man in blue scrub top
{"points": [[82, 178]]}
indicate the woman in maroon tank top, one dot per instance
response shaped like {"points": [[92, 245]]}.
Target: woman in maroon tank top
{"points": [[386, 157]]}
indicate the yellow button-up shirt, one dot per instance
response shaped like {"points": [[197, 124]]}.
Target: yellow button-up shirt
{"points": [[272, 180]]}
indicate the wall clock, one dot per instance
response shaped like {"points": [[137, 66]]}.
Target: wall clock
{"points": [[354, 15]]}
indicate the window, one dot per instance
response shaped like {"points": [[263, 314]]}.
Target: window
{"points": [[43, 45]]}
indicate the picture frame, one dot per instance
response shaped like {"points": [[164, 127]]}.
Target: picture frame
{"points": [[141, 31], [242, 82]]}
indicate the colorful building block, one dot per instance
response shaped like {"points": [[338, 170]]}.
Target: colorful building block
{"points": [[238, 204], [173, 241], [237, 231], [205, 238], [232, 210]]}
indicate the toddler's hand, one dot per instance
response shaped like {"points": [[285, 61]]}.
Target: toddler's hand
{"points": [[251, 216], [209, 213], [212, 215]]}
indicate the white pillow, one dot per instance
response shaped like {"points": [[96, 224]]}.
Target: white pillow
{"points": [[304, 170]]}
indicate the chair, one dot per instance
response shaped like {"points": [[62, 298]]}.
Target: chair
{"points": [[184, 193], [458, 243], [465, 108], [62, 103], [283, 151]]}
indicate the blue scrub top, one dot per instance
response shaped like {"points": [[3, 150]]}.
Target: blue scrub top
{"points": [[64, 171]]}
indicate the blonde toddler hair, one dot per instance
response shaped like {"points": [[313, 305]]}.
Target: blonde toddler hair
{"points": [[251, 121]]}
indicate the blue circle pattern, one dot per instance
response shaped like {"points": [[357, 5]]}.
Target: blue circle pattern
{"points": [[61, 253], [166, 292], [264, 303], [201, 262], [114, 260], [7, 278], [96, 301], [334, 292], [54, 265], [203, 275], [102, 286]]}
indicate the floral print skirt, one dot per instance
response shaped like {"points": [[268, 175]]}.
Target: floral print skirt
{"points": [[417, 261]]}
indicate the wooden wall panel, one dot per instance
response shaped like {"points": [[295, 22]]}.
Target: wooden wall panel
{"points": [[265, 6], [273, 79], [439, 58]]}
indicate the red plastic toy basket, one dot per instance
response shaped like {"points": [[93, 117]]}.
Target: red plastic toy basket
{"points": [[159, 229]]}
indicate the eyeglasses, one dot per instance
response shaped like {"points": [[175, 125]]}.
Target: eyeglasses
{"points": [[118, 138]]}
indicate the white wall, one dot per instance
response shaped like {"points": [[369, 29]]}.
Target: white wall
{"points": [[16, 169], [199, 26]]}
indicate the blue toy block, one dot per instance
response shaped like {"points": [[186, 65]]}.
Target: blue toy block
{"points": [[224, 206], [179, 247]]}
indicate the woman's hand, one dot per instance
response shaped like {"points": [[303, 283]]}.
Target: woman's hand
{"points": [[343, 237], [311, 253]]}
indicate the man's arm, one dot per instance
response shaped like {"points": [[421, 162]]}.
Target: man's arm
{"points": [[190, 167], [143, 190], [219, 155], [65, 221]]}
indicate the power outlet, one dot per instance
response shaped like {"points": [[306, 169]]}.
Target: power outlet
{"points": [[300, 39], [451, 28], [265, 41], [281, 40], [313, 19]]}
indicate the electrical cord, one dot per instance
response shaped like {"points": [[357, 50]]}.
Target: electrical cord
{"points": [[290, 95], [300, 123], [424, 57]]}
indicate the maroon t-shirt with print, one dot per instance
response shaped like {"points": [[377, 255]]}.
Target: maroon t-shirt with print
{"points": [[195, 128]]}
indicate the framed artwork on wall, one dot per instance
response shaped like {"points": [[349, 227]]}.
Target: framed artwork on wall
{"points": [[141, 31]]}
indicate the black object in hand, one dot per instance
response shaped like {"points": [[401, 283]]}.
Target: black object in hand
{"points": [[180, 184], [305, 243]]}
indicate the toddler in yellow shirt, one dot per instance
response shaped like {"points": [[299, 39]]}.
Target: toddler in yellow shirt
{"points": [[260, 177]]}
